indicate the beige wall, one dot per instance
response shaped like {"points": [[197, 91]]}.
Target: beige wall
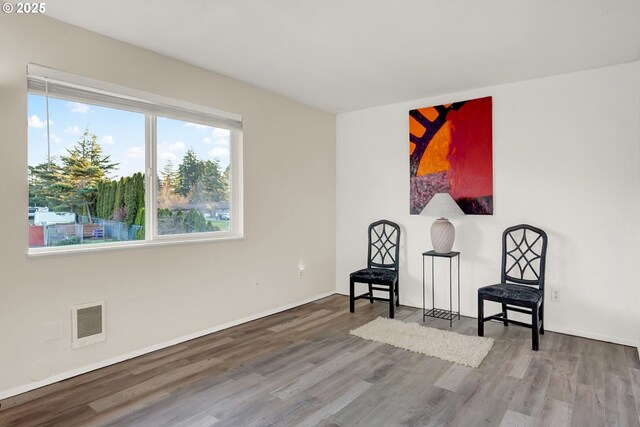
{"points": [[159, 294]]}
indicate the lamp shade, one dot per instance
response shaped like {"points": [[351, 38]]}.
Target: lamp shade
{"points": [[442, 205]]}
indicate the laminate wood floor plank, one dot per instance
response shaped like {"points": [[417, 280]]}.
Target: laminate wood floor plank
{"points": [[181, 406], [225, 406], [302, 367], [631, 354], [615, 359], [564, 378], [588, 409], [323, 371], [319, 314], [477, 409], [516, 419], [184, 401], [530, 396], [619, 402], [556, 413], [339, 399], [435, 407], [635, 386], [75, 395], [152, 384]]}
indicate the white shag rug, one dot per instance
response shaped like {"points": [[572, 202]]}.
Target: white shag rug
{"points": [[451, 346]]}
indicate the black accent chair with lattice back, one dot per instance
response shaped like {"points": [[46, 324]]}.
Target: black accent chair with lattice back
{"points": [[521, 287], [381, 273]]}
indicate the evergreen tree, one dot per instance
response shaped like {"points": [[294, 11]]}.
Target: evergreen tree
{"points": [[130, 201], [43, 186], [213, 181], [141, 191], [189, 171], [117, 213], [81, 171], [226, 182], [109, 201], [100, 198], [194, 222], [72, 183], [140, 221], [169, 179]]}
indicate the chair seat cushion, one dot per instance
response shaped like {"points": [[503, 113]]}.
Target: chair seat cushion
{"points": [[512, 294], [374, 275]]}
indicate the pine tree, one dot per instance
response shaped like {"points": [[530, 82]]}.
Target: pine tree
{"points": [[169, 178], [82, 169], [213, 181], [189, 171], [72, 182]]}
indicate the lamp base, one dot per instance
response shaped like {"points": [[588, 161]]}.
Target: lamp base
{"points": [[442, 236]]}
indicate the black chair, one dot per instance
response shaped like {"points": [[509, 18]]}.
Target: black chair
{"points": [[524, 249], [381, 273]]}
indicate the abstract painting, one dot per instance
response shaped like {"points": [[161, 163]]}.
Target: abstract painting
{"points": [[451, 152]]}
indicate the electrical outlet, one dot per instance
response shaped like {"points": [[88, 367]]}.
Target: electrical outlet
{"points": [[555, 295], [301, 268]]}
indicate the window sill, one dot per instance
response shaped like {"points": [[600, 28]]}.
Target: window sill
{"points": [[102, 247]]}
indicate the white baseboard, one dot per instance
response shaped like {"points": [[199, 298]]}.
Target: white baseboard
{"points": [[592, 336], [92, 367]]}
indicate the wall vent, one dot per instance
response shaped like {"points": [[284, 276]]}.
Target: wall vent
{"points": [[87, 321]]}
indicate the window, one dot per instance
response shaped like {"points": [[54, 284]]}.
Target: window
{"points": [[110, 166]]}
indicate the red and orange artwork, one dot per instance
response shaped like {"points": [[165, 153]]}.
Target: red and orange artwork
{"points": [[451, 152]]}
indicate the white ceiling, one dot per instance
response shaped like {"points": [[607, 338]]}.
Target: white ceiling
{"points": [[342, 55]]}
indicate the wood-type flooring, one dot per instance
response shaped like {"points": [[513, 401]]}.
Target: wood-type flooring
{"points": [[301, 367]]}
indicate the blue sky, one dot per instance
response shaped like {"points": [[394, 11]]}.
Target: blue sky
{"points": [[120, 133]]}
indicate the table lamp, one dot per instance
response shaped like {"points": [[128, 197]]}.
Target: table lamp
{"points": [[443, 233]]}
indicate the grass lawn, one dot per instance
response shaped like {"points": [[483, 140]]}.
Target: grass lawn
{"points": [[224, 225]]}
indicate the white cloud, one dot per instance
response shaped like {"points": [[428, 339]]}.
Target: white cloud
{"points": [[77, 107], [176, 146], [219, 153], [55, 138], [135, 152], [197, 126], [107, 139], [165, 156], [168, 151], [75, 130], [218, 137], [36, 122]]}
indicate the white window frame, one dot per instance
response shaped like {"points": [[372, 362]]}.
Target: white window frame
{"points": [[114, 96]]}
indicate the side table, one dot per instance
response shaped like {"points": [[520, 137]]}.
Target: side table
{"points": [[440, 313]]}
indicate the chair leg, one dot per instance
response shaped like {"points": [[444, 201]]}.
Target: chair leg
{"points": [[542, 319], [480, 316], [534, 329], [391, 304], [398, 293], [504, 314], [370, 293], [352, 306]]}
